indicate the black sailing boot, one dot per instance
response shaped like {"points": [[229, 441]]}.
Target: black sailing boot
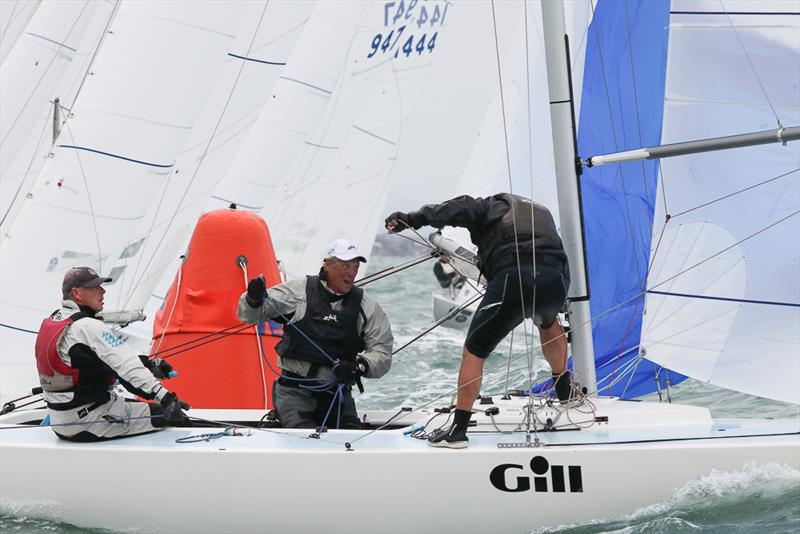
{"points": [[454, 437], [563, 386]]}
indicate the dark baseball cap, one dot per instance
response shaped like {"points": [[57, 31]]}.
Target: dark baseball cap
{"points": [[81, 277]]}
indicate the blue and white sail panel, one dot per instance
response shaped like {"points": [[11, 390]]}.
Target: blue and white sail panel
{"points": [[723, 302], [622, 109]]}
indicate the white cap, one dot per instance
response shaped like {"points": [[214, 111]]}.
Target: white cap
{"points": [[345, 250]]}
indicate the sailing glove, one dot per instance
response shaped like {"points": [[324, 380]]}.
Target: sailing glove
{"points": [[350, 372], [159, 367], [401, 222], [173, 408], [256, 291]]}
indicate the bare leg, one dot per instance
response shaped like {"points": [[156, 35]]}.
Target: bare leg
{"points": [[469, 380], [554, 345]]}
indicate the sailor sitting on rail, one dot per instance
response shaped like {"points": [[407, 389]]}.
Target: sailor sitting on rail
{"points": [[334, 334], [79, 359]]}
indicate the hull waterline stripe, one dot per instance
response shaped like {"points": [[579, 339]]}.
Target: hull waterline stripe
{"points": [[18, 328], [727, 299], [264, 61], [140, 162]]}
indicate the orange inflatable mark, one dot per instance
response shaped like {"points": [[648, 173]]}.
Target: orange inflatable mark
{"points": [[219, 369]]}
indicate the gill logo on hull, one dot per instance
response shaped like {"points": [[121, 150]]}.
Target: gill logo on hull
{"points": [[503, 477]]}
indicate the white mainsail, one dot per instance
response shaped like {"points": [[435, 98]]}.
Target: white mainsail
{"points": [[723, 302], [129, 121]]}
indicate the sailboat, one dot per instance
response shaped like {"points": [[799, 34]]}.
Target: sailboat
{"points": [[536, 463]]}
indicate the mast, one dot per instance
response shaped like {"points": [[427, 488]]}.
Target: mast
{"points": [[569, 199]]}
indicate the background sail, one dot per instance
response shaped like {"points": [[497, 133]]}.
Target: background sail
{"points": [[622, 108], [14, 17], [264, 42], [131, 118], [49, 61], [723, 303]]}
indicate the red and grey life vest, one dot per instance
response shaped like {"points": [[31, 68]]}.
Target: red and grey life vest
{"points": [[86, 376], [322, 327], [528, 224]]}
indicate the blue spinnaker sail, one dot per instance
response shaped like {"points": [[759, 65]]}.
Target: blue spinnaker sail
{"points": [[621, 109]]}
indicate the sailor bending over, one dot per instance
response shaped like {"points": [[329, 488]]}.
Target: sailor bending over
{"points": [[334, 334], [79, 359], [521, 255]]}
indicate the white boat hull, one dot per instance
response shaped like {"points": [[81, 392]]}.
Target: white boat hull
{"points": [[445, 301], [279, 481]]}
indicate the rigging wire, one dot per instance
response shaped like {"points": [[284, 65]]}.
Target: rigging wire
{"points": [[528, 349], [533, 195], [750, 62], [735, 193]]}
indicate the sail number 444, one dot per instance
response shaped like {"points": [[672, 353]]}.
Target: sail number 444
{"points": [[403, 21]]}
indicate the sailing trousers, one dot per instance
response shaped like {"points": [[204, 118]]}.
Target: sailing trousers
{"points": [[513, 294], [301, 408], [116, 418]]}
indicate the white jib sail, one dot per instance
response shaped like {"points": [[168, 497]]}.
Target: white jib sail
{"points": [[724, 288], [132, 116]]}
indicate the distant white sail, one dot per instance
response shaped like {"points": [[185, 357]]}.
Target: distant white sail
{"points": [[14, 17], [132, 116], [264, 43], [337, 186], [297, 104], [49, 61], [723, 302]]}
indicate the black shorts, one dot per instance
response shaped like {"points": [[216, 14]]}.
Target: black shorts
{"points": [[503, 307]]}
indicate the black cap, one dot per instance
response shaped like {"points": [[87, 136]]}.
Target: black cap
{"points": [[81, 277]]}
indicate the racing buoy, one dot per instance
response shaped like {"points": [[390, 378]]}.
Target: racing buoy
{"points": [[219, 361]]}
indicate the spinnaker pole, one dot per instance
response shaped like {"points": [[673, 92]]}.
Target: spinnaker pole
{"points": [[778, 135]]}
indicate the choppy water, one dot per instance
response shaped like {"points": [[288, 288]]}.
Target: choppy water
{"points": [[763, 499]]}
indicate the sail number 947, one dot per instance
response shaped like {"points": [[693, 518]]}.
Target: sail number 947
{"points": [[411, 44]]}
